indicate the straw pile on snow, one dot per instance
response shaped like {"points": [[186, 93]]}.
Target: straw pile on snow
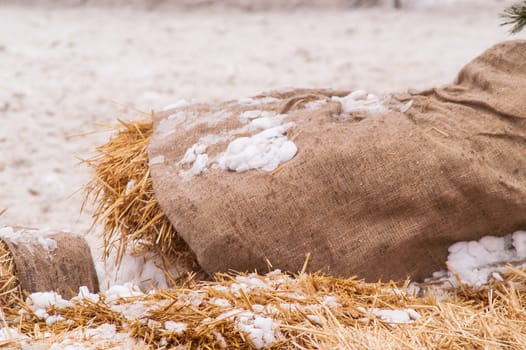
{"points": [[280, 311]]}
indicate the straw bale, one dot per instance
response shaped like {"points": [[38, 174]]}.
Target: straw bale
{"points": [[125, 202], [35, 261]]}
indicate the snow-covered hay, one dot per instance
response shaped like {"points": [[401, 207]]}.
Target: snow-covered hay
{"points": [[125, 203], [280, 311]]}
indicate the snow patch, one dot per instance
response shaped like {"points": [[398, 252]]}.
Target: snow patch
{"points": [[191, 154], [27, 236], [143, 271], [331, 301], [104, 336], [192, 298], [118, 291], [221, 302], [392, 316], [84, 294], [169, 125], [476, 261], [261, 331], [175, 327], [313, 105], [200, 165], [43, 300], [360, 101], [40, 302], [264, 151]]}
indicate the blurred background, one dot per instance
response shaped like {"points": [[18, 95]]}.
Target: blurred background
{"points": [[67, 67]]}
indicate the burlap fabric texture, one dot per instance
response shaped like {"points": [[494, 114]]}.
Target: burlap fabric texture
{"points": [[52, 261], [368, 194]]}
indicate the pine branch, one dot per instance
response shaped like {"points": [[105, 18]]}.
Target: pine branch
{"points": [[515, 15]]}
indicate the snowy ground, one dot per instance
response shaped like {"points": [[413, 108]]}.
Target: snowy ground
{"points": [[64, 70], [67, 69]]}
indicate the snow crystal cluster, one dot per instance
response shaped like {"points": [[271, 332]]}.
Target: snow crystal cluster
{"points": [[261, 331], [28, 236], [476, 261], [265, 150], [104, 336], [40, 302], [392, 316], [360, 101], [175, 327], [146, 272]]}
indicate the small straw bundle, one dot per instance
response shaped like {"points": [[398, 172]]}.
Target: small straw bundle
{"points": [[9, 289], [307, 311], [125, 200]]}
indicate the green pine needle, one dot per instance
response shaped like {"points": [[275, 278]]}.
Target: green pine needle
{"points": [[515, 15]]}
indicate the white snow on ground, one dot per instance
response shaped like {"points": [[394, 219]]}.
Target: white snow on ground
{"points": [[57, 81]]}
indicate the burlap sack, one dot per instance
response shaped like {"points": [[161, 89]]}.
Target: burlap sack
{"points": [[52, 261], [368, 194]]}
